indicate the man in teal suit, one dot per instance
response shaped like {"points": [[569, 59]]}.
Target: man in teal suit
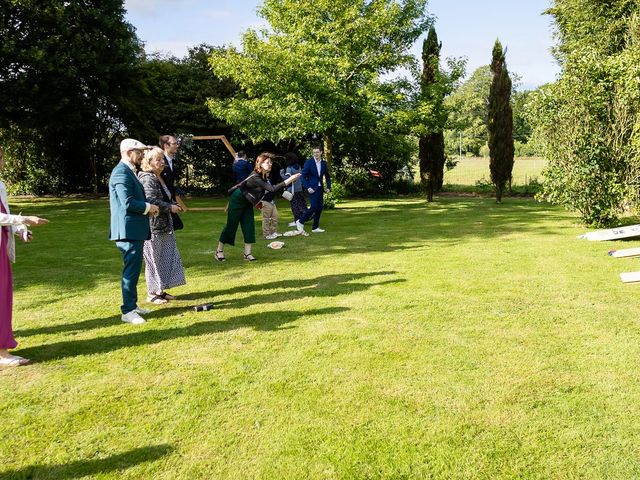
{"points": [[129, 223]]}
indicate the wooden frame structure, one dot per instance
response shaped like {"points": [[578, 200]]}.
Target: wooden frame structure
{"points": [[218, 137]]}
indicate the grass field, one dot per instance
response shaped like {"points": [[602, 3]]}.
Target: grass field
{"points": [[455, 340], [468, 171]]}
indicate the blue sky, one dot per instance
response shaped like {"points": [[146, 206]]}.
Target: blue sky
{"points": [[467, 28]]}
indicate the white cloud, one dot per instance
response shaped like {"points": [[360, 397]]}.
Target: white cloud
{"points": [[176, 48], [150, 7], [217, 14]]}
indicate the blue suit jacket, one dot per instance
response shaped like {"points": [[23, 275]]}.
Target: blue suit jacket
{"points": [[242, 169], [127, 204], [310, 178]]}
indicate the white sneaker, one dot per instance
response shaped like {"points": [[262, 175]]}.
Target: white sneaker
{"points": [[277, 234], [318, 230], [142, 311], [133, 318], [291, 224], [299, 226], [271, 237]]}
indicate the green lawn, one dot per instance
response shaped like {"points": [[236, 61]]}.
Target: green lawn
{"points": [[468, 171], [456, 340]]}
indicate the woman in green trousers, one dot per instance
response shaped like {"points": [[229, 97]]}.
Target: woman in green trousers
{"points": [[241, 203]]}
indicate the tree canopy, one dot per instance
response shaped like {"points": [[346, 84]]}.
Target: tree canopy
{"points": [[431, 142], [317, 68], [67, 74], [588, 122], [500, 122]]}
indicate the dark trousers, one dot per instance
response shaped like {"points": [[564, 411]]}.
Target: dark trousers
{"points": [[315, 209], [298, 205], [132, 256], [239, 212]]}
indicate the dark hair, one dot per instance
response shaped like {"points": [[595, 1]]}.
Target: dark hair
{"points": [[291, 159], [240, 154], [319, 147], [164, 139]]}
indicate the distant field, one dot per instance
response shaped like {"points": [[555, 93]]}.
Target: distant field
{"points": [[469, 170]]}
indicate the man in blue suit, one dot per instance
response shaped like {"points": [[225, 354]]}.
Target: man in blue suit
{"points": [[242, 168], [315, 170], [129, 223]]}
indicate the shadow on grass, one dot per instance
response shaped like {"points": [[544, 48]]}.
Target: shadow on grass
{"points": [[289, 290], [392, 225], [85, 468], [71, 327], [292, 290], [146, 335]]}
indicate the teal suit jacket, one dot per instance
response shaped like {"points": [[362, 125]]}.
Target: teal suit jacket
{"points": [[127, 204]]}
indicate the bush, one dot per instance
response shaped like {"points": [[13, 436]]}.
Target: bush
{"points": [[528, 149], [484, 151], [335, 196]]}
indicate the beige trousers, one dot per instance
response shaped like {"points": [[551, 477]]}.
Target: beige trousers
{"points": [[269, 218]]}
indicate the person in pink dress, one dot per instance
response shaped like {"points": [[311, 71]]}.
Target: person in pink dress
{"points": [[10, 225]]}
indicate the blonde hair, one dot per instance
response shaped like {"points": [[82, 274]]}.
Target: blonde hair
{"points": [[153, 154]]}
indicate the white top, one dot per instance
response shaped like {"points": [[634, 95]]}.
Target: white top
{"points": [[319, 167], [170, 161], [14, 222]]}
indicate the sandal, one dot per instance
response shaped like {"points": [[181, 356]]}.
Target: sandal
{"points": [[157, 299], [249, 258], [167, 296], [220, 256], [13, 361]]}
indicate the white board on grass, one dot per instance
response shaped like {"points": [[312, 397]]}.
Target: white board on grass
{"points": [[612, 233], [630, 277], [626, 252]]}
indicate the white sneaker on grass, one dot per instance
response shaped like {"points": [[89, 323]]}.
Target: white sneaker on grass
{"points": [[292, 224], [142, 311], [271, 236], [318, 230], [133, 318], [299, 226]]}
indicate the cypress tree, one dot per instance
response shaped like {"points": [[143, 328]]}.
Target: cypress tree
{"points": [[431, 144], [500, 123]]}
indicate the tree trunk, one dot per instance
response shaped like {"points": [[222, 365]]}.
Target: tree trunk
{"points": [[328, 149], [426, 177], [432, 158], [94, 172]]}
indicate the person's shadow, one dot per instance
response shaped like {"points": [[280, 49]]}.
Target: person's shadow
{"points": [[291, 290], [143, 335], [284, 291], [86, 468]]}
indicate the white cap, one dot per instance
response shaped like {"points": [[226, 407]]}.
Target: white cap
{"points": [[131, 144]]}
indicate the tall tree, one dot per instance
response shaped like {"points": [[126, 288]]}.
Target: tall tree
{"points": [[319, 62], [588, 122], [67, 74], [174, 102], [468, 119], [500, 123], [431, 143]]}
